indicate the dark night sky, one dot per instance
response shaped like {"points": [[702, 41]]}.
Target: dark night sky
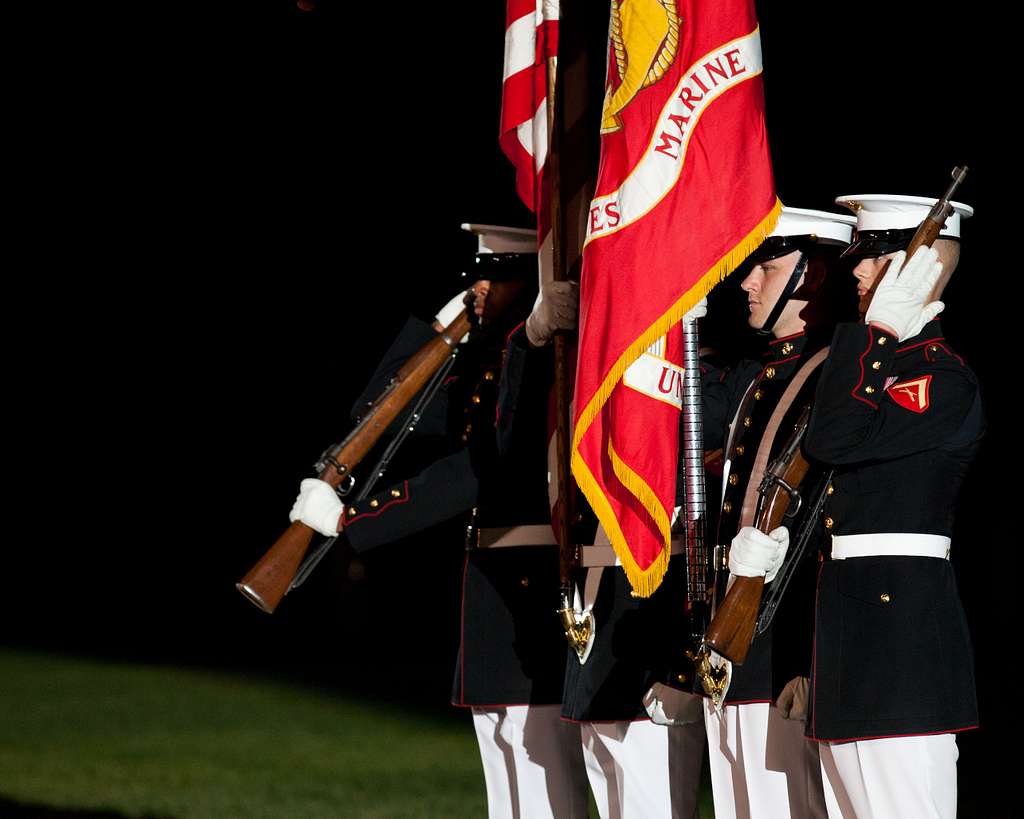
{"points": [[259, 209]]}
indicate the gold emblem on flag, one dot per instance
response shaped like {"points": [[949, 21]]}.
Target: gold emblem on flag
{"points": [[645, 39]]}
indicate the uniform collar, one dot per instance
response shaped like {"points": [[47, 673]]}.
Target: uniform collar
{"points": [[783, 354]]}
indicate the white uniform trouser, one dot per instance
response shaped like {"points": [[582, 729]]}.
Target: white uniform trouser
{"points": [[762, 766], [532, 762], [901, 777], [639, 770]]}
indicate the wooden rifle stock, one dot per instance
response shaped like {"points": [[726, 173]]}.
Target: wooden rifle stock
{"points": [[268, 581], [732, 627]]}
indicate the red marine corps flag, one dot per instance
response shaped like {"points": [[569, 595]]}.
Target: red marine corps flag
{"points": [[684, 194]]}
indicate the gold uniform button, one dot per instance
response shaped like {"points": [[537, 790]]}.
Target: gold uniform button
{"points": [[740, 449], [787, 348], [882, 340], [681, 677], [733, 480], [374, 503], [829, 523], [869, 389], [769, 373], [633, 594], [465, 439], [396, 493], [475, 399], [884, 597], [524, 582], [876, 365], [747, 422], [830, 489], [727, 507], [757, 395], [351, 511], [469, 428], [489, 375], [934, 348]]}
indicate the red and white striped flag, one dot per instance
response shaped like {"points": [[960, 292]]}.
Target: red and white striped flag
{"points": [[531, 37]]}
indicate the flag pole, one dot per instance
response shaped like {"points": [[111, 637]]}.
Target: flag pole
{"points": [[578, 630]]}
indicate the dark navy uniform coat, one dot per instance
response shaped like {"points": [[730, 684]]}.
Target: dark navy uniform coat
{"points": [[750, 393], [901, 422], [512, 650]]}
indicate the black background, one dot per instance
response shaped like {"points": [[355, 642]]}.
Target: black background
{"points": [[228, 212]]}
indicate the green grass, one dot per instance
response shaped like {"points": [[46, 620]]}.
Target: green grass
{"points": [[140, 741], [145, 741]]}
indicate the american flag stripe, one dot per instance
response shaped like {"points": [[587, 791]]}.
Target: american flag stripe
{"points": [[531, 35]]}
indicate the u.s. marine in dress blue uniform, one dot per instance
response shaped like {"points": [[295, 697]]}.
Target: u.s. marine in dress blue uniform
{"points": [[900, 420], [761, 765], [512, 651]]}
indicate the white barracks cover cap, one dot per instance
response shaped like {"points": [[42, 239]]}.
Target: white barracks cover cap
{"points": [[883, 211]]}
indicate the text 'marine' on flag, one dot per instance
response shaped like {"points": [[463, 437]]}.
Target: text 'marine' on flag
{"points": [[684, 194]]}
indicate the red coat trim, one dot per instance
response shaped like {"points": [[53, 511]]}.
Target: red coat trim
{"points": [[860, 361], [376, 512], [898, 736]]}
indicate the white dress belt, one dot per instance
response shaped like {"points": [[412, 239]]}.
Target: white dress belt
{"points": [[604, 555], [890, 544], [539, 534]]}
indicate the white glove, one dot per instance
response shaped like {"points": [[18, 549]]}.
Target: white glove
{"points": [[699, 310], [753, 553], [317, 506], [557, 308], [447, 314], [666, 705], [792, 701], [899, 300]]}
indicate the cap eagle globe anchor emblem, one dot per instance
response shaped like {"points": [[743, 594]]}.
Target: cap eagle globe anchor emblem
{"points": [[645, 42]]}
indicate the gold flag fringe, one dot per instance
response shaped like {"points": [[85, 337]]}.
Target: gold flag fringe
{"points": [[645, 581]]}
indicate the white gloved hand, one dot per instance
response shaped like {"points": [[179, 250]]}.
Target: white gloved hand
{"points": [[317, 506], [792, 701], [557, 308], [447, 314], [699, 310], [899, 302], [753, 553]]}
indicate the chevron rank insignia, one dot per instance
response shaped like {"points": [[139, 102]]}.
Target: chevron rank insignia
{"points": [[911, 395]]}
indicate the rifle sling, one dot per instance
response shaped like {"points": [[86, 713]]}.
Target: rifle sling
{"points": [[763, 457]]}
